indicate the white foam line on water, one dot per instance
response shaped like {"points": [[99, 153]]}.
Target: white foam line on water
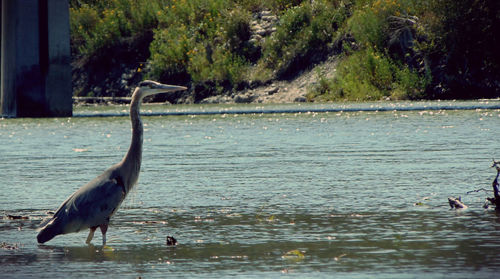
{"points": [[294, 110], [299, 110]]}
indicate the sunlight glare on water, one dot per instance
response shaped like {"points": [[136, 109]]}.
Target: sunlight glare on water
{"points": [[355, 194]]}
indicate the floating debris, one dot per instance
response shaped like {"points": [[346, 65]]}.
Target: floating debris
{"points": [[171, 241], [8, 246], [295, 255], [17, 217], [339, 257], [456, 203]]}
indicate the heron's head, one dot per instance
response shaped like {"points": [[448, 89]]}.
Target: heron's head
{"points": [[149, 87]]}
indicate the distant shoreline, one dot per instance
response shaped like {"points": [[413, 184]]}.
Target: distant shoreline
{"points": [[382, 106]]}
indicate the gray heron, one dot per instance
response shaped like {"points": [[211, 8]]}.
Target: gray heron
{"points": [[93, 204]]}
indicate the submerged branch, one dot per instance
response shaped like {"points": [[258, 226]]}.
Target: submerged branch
{"points": [[478, 190]]}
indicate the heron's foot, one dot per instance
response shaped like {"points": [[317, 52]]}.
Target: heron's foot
{"points": [[91, 235], [104, 229]]}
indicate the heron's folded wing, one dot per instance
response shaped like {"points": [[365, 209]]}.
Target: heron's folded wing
{"points": [[93, 204]]}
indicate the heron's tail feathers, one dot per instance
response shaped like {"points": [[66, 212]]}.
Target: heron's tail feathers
{"points": [[49, 231]]}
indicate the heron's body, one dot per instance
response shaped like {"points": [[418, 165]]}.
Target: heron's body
{"points": [[92, 205]]}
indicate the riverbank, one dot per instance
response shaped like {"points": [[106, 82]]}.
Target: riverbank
{"points": [[294, 90], [267, 51]]}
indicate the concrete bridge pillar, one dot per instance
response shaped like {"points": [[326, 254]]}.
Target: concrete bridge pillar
{"points": [[35, 59]]}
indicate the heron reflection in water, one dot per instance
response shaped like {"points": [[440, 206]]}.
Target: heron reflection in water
{"points": [[93, 204]]}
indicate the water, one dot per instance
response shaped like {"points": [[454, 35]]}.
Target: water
{"points": [[349, 194]]}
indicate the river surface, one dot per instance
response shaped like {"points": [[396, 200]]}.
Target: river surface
{"points": [[344, 194]]}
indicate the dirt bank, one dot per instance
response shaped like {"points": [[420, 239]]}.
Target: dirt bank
{"points": [[281, 91]]}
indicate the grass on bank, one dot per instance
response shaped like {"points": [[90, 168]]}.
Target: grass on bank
{"points": [[404, 49]]}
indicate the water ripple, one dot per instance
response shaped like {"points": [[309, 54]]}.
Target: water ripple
{"points": [[356, 194]]}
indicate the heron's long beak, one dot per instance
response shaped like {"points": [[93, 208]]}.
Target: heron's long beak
{"points": [[163, 88], [149, 87], [170, 88]]}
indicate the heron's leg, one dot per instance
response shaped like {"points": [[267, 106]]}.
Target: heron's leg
{"points": [[91, 235], [104, 229]]}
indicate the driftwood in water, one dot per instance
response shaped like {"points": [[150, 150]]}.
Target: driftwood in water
{"points": [[496, 195], [456, 203]]}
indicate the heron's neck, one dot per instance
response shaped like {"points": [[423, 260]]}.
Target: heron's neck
{"points": [[131, 163]]}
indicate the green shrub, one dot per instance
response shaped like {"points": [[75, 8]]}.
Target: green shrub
{"points": [[204, 41], [305, 31], [169, 52], [365, 75], [98, 24], [369, 71], [237, 34], [462, 48], [370, 75], [367, 28], [369, 23], [288, 40], [409, 84], [83, 22]]}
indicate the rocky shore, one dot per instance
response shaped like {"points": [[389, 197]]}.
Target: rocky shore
{"points": [[281, 91]]}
